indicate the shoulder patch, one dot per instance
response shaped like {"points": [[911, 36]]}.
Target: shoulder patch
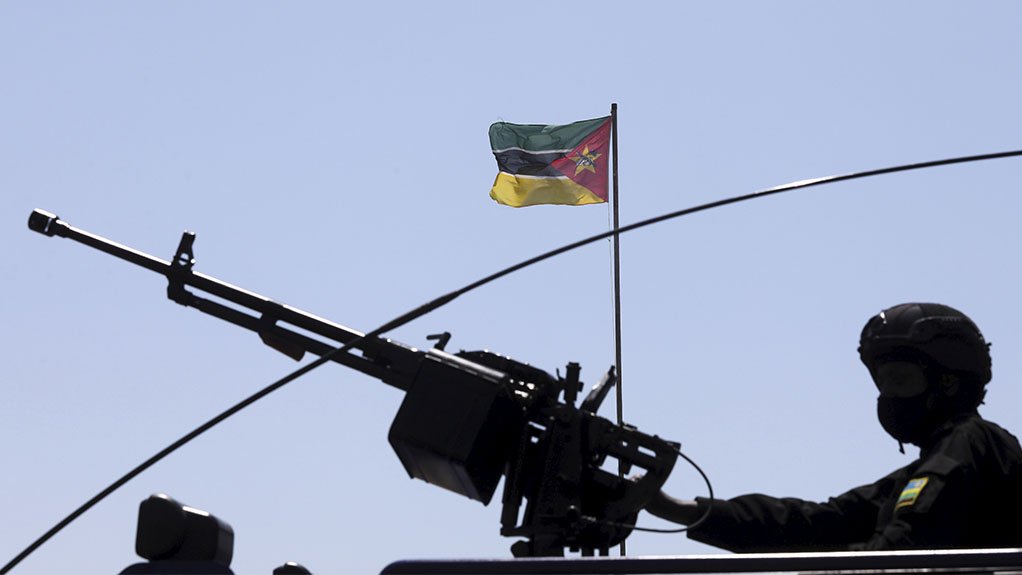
{"points": [[911, 492]]}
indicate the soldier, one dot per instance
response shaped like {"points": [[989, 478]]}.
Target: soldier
{"points": [[930, 364]]}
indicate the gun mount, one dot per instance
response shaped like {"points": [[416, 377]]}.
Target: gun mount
{"points": [[467, 419]]}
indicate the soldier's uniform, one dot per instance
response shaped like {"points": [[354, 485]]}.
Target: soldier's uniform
{"points": [[964, 491]]}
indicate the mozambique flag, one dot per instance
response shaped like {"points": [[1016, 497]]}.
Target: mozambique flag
{"points": [[551, 164]]}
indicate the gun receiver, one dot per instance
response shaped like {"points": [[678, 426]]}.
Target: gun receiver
{"points": [[467, 419]]}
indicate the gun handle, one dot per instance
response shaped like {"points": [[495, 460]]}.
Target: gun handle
{"points": [[594, 400]]}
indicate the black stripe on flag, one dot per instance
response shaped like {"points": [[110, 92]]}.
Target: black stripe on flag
{"points": [[521, 162]]}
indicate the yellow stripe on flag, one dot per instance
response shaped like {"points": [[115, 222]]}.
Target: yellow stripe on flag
{"points": [[521, 191]]}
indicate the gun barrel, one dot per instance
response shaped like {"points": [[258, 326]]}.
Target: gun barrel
{"points": [[49, 224], [394, 363]]}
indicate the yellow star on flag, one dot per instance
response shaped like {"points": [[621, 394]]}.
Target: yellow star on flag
{"points": [[585, 161]]}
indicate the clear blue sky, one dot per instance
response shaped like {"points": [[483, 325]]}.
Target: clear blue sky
{"points": [[334, 157]]}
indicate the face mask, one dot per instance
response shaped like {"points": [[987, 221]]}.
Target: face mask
{"points": [[907, 419]]}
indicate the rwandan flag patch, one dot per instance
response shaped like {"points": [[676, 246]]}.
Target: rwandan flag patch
{"points": [[911, 492]]}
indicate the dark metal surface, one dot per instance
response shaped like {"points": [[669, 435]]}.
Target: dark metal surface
{"points": [[955, 561]]}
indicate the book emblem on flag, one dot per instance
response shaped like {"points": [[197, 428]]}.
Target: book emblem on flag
{"points": [[585, 161]]}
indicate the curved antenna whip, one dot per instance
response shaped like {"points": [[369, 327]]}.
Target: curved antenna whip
{"points": [[445, 299]]}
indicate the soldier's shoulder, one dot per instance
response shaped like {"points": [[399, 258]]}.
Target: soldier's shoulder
{"points": [[981, 438]]}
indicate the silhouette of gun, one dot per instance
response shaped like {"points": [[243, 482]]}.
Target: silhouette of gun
{"points": [[467, 419]]}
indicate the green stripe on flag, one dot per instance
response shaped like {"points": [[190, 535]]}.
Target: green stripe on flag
{"points": [[540, 137]]}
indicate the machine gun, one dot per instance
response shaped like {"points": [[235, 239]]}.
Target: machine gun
{"points": [[467, 419]]}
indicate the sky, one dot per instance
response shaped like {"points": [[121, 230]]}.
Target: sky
{"points": [[334, 157]]}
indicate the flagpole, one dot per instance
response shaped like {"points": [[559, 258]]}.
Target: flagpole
{"points": [[617, 274], [617, 262]]}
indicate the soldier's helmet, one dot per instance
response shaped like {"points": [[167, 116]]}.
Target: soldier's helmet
{"points": [[943, 335]]}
